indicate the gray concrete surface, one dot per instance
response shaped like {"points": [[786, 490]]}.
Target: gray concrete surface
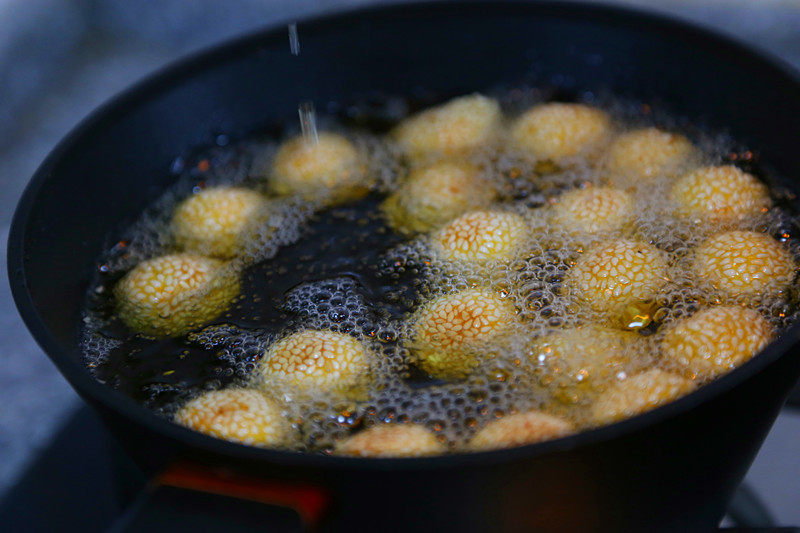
{"points": [[61, 58]]}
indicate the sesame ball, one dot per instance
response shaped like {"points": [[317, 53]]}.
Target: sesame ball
{"points": [[480, 236], [592, 210], [315, 360], [639, 393], [447, 332], [330, 170], [648, 153], [435, 194], [617, 274], [556, 131], [722, 194], [239, 415], [215, 221], [744, 264], [520, 429], [170, 295], [392, 440], [716, 340], [458, 126]]}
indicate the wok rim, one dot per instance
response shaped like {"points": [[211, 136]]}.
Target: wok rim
{"points": [[92, 390]]}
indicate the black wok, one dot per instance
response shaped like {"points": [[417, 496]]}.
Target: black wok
{"points": [[674, 468]]}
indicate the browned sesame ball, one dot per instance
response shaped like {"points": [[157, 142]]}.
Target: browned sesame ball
{"points": [[722, 194], [647, 153], [329, 170], [172, 294], [520, 429], [639, 393], [460, 125], [435, 194], [480, 236], [315, 360], [556, 131], [716, 340], [448, 331], [744, 264], [617, 274], [392, 440], [238, 415], [592, 210], [215, 221]]}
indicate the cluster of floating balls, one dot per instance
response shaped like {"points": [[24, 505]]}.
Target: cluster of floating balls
{"points": [[609, 348]]}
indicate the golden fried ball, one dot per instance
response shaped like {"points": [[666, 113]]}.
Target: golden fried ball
{"points": [[392, 440], [435, 194], [315, 360], [647, 153], [639, 393], [172, 294], [239, 415], [460, 125], [448, 331], [520, 429], [617, 274], [215, 221], [721, 194], [330, 169], [744, 264], [592, 210], [716, 340], [480, 236], [556, 131]]}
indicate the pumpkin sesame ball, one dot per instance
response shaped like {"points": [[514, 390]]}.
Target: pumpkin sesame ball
{"points": [[329, 170], [435, 194], [215, 221], [744, 264], [617, 274], [520, 429], [592, 210], [557, 131], [722, 194], [170, 295], [315, 360], [639, 393], [239, 415], [392, 440], [480, 236], [453, 128], [448, 331], [716, 340], [648, 153]]}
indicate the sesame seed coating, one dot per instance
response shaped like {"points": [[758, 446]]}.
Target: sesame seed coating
{"points": [[616, 274], [480, 236], [239, 415], [744, 264], [214, 221], [647, 153], [593, 210], [172, 294], [392, 440], [520, 429], [639, 393], [716, 340], [555, 131], [434, 194], [457, 126], [330, 169], [721, 194], [448, 329], [315, 360]]}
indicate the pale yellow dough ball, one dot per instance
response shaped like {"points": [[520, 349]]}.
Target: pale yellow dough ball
{"points": [[593, 210], [647, 153], [639, 393], [392, 440], [520, 429], [481, 236]]}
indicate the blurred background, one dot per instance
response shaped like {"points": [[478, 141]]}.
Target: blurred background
{"points": [[59, 59]]}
